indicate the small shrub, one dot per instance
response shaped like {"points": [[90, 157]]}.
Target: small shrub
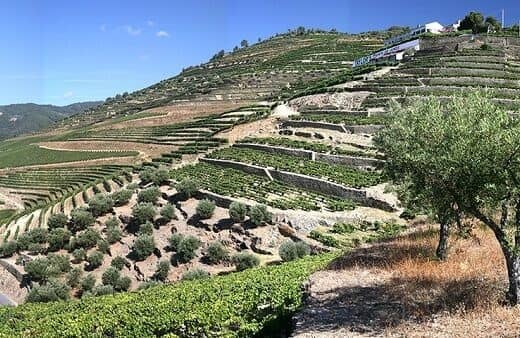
{"points": [[163, 268], [110, 276], [302, 249], [123, 284], [145, 229], [174, 241], [86, 239], [244, 260], [60, 263], [58, 238], [122, 197], [79, 255], [205, 209], [59, 220], [102, 290], [148, 284], [143, 246], [87, 283], [237, 211], [259, 215], [95, 260], [195, 274], [156, 176], [100, 204], [143, 212], [146, 175], [103, 246], [112, 222], [74, 277], [188, 188], [325, 239], [36, 248], [119, 262], [80, 219], [187, 248], [113, 234], [40, 270], [343, 228], [33, 236], [53, 291], [150, 195], [216, 252], [7, 249], [290, 250], [168, 212]]}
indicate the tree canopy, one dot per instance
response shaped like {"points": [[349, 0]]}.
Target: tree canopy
{"points": [[460, 156]]}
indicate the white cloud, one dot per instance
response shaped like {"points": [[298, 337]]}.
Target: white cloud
{"points": [[103, 28], [68, 94], [162, 34], [150, 23], [132, 30]]}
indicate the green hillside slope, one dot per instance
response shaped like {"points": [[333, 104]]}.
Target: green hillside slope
{"points": [[17, 119]]}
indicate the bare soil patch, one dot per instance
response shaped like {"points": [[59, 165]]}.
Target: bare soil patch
{"points": [[398, 289], [146, 151], [178, 112]]}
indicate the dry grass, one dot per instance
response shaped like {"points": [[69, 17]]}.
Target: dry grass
{"points": [[398, 288]]}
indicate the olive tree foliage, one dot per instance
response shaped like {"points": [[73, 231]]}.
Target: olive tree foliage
{"points": [[473, 21], [461, 157]]}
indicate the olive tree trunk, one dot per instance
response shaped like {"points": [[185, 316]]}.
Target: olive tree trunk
{"points": [[513, 272], [442, 247]]}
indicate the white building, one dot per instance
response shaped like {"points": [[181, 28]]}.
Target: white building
{"points": [[432, 27], [396, 52]]}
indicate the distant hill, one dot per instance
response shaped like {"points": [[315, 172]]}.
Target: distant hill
{"points": [[17, 119]]}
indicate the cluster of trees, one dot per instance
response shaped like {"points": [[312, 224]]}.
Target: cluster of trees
{"points": [[476, 22]]}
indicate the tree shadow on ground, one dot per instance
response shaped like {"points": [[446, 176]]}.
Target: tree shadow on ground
{"points": [[375, 308], [386, 253], [378, 302]]}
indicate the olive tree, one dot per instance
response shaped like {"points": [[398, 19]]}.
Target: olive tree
{"points": [[461, 156]]}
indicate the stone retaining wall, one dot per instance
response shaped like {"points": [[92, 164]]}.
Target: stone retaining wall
{"points": [[354, 161], [364, 129], [349, 160], [312, 124], [248, 168], [308, 154], [12, 270], [310, 183]]}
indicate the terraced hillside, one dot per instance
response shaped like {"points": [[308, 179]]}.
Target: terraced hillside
{"points": [[249, 74], [236, 174]]}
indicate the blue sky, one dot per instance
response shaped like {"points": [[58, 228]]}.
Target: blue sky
{"points": [[62, 52]]}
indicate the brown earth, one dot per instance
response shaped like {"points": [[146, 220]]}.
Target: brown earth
{"points": [[146, 151], [178, 112], [398, 289]]}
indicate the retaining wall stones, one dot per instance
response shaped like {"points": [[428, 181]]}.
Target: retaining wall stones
{"points": [[364, 129], [248, 168], [349, 160], [308, 154], [310, 183], [13, 270], [362, 162], [312, 124]]}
